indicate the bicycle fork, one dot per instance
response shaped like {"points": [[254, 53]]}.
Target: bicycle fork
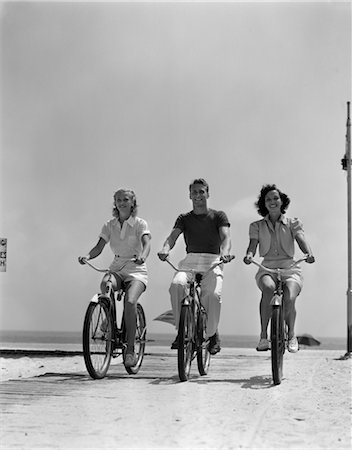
{"points": [[277, 302]]}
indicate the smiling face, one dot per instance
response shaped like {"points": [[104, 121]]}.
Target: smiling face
{"points": [[273, 202], [199, 195], [124, 203]]}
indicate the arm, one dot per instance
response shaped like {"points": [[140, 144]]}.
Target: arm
{"points": [[305, 247], [146, 243], [225, 245], [169, 243], [251, 250], [94, 252]]}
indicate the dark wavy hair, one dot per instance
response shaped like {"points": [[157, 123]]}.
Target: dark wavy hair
{"points": [[115, 211], [199, 181], [260, 203]]}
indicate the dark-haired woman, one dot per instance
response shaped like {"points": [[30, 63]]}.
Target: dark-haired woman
{"points": [[129, 239], [276, 234]]}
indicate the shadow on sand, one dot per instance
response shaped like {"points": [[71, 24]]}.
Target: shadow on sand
{"points": [[257, 382]]}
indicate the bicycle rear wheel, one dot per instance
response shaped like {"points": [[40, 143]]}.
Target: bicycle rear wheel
{"points": [[140, 339], [185, 342], [97, 339], [203, 355], [277, 343]]}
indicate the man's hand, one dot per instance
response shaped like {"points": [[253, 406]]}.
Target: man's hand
{"points": [[162, 255], [227, 258], [82, 259]]}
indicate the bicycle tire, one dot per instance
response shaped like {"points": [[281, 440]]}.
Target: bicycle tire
{"points": [[203, 355], [140, 340], [277, 343], [185, 342], [97, 339]]}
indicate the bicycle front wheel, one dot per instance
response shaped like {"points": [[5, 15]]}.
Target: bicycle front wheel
{"points": [[140, 339], [277, 343], [185, 342], [203, 355], [97, 339]]}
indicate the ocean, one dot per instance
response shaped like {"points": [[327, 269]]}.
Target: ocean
{"points": [[72, 340]]}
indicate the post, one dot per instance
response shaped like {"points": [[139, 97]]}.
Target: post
{"points": [[346, 165]]}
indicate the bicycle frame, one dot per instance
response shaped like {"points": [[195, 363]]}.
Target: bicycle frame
{"points": [[193, 340], [112, 297], [277, 323], [104, 331]]}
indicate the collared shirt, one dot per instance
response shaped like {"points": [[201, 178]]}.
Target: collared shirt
{"points": [[276, 241], [125, 241]]}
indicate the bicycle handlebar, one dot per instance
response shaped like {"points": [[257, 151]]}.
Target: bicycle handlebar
{"points": [[105, 270], [275, 271], [193, 271]]}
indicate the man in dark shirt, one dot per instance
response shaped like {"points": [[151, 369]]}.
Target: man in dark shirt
{"points": [[207, 237]]}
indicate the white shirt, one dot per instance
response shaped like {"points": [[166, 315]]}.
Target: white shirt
{"points": [[125, 241]]}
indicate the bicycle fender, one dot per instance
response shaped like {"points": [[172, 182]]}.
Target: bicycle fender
{"points": [[186, 301], [276, 300], [94, 299]]}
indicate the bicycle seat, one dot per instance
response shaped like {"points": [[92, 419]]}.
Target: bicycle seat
{"points": [[198, 277]]}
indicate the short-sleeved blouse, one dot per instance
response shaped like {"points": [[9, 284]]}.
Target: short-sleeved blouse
{"points": [[286, 232], [125, 241]]}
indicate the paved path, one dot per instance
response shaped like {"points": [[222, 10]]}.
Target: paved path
{"points": [[235, 406]]}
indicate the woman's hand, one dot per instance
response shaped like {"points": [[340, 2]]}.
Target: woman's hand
{"points": [[310, 259], [248, 258], [140, 260], [163, 255], [82, 259]]}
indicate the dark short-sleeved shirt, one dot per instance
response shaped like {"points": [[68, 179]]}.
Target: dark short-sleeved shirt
{"points": [[201, 231]]}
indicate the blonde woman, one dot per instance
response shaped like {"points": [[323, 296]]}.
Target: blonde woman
{"points": [[129, 239]]}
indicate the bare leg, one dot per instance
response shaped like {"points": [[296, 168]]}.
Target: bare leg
{"points": [[267, 286], [134, 290], [291, 292]]}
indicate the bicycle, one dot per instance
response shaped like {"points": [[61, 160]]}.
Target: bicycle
{"points": [[104, 331], [192, 338], [278, 328]]}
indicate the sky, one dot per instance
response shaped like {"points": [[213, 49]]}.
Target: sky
{"points": [[148, 96]]}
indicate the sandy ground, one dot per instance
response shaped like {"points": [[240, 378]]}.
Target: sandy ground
{"points": [[53, 403]]}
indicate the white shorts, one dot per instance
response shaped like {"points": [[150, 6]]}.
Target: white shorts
{"points": [[131, 271], [294, 274]]}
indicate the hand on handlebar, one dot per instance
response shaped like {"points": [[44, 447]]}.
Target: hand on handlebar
{"points": [[248, 259], [82, 259], [163, 256], [227, 258], [310, 259], [139, 261]]}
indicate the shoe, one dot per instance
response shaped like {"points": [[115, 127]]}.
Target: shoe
{"points": [[214, 344], [263, 345], [292, 345], [130, 360], [174, 345]]}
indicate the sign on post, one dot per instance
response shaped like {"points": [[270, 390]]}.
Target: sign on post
{"points": [[3, 254]]}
